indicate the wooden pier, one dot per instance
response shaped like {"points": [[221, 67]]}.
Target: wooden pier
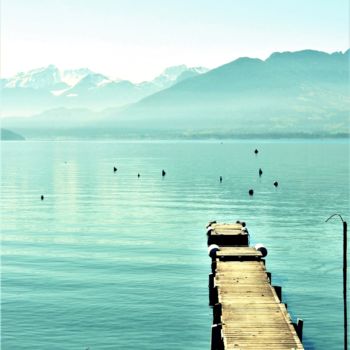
{"points": [[248, 312]]}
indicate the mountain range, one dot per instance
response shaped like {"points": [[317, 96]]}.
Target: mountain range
{"points": [[290, 93], [35, 91]]}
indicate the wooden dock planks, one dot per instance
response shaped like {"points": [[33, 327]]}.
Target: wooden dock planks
{"points": [[248, 313]]}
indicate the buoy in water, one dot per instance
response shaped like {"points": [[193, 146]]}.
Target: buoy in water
{"points": [[138, 175], [260, 172], [251, 192], [163, 173], [275, 184], [115, 169], [42, 197], [220, 178], [256, 151]]}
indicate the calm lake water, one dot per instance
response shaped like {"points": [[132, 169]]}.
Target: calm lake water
{"points": [[112, 261]]}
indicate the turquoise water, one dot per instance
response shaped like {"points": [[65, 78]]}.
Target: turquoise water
{"points": [[112, 261]]}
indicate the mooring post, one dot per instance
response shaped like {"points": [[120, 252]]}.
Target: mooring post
{"points": [[217, 311], [210, 286], [213, 296], [278, 290], [211, 281], [213, 266], [299, 329], [216, 339]]}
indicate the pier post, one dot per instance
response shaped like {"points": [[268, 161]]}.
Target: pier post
{"points": [[248, 312], [210, 286], [217, 311], [213, 266], [216, 339], [213, 296], [299, 329], [278, 290]]}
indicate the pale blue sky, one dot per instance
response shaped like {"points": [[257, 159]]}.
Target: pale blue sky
{"points": [[137, 39]]}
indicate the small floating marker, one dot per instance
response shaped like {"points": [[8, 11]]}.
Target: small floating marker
{"points": [[260, 172], [163, 173], [42, 197], [220, 178], [251, 192], [138, 175], [114, 169], [275, 184], [256, 151]]}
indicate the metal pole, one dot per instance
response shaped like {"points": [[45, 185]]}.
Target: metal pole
{"points": [[345, 272], [345, 243]]}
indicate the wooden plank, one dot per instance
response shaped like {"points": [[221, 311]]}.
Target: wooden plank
{"points": [[251, 314], [226, 226], [239, 252]]}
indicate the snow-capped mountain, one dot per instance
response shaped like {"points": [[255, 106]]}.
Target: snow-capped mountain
{"points": [[41, 78], [73, 76], [171, 75], [87, 83], [51, 78], [49, 87]]}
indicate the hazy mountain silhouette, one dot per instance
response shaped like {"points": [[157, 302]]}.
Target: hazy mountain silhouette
{"points": [[9, 135], [305, 91], [290, 93], [41, 89]]}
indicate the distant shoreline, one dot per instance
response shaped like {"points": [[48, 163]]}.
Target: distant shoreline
{"points": [[82, 135]]}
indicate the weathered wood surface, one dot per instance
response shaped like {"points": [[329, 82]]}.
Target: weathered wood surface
{"points": [[252, 315], [228, 235], [238, 252], [247, 310]]}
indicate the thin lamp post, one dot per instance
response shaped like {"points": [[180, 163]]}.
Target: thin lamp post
{"points": [[345, 242]]}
